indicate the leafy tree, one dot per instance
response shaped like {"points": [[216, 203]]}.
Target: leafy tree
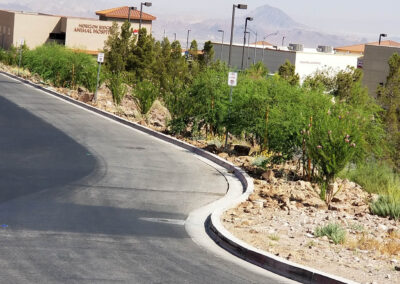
{"points": [[117, 48], [323, 80], [142, 56], [179, 81], [288, 73], [389, 97], [208, 54], [193, 50]]}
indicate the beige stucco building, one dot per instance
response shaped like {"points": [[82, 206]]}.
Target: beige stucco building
{"points": [[77, 33]]}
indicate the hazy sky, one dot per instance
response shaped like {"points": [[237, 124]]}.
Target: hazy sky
{"points": [[339, 16]]}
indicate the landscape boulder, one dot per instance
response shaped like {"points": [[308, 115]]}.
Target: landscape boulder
{"points": [[241, 150]]}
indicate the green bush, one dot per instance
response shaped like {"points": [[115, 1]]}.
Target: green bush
{"points": [[9, 57], [378, 178], [62, 67], [387, 205], [374, 177], [116, 85], [333, 231], [146, 93]]}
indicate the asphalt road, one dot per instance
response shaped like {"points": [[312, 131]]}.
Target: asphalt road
{"points": [[86, 200]]}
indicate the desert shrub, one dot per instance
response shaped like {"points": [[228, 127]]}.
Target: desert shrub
{"points": [[62, 67], [373, 176], [205, 104], [333, 231], [9, 57], [146, 92], [387, 205], [380, 178], [117, 87]]}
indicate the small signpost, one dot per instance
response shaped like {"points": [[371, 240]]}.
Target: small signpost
{"points": [[232, 79], [100, 59], [21, 44], [232, 82]]}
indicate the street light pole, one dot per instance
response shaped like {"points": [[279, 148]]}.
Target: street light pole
{"points": [[240, 6], [129, 13], [222, 42], [147, 4], [283, 40], [381, 36], [244, 38], [187, 43], [243, 7]]}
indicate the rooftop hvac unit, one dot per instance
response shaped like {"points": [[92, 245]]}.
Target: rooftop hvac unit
{"points": [[295, 47], [325, 49]]}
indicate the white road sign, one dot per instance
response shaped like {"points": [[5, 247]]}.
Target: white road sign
{"points": [[232, 79], [100, 57]]}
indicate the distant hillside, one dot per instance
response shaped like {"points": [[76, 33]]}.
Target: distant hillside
{"points": [[273, 17], [267, 20]]}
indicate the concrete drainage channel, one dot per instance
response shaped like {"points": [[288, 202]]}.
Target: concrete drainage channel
{"points": [[209, 217]]}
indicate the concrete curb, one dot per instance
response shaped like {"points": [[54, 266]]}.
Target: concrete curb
{"points": [[213, 224]]}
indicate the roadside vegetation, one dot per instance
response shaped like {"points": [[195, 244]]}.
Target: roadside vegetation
{"points": [[333, 231], [329, 122]]}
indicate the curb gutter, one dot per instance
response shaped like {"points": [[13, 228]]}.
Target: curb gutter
{"points": [[213, 225]]}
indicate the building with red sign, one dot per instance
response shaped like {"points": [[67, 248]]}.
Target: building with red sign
{"points": [[77, 33]]}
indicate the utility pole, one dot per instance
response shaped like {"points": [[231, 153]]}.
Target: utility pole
{"points": [[222, 43], [187, 44], [244, 39], [230, 82], [129, 13], [147, 4], [100, 59]]}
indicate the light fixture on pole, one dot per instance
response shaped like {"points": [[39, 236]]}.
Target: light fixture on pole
{"points": [[381, 36], [129, 13], [239, 6], [275, 33], [283, 40], [222, 42], [147, 4], [242, 7], [244, 38]]}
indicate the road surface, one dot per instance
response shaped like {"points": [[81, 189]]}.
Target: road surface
{"points": [[84, 199]]}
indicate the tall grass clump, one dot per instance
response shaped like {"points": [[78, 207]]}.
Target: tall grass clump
{"points": [[333, 231], [62, 67], [378, 178], [9, 57]]}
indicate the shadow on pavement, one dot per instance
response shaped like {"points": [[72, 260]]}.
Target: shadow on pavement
{"points": [[35, 156]]}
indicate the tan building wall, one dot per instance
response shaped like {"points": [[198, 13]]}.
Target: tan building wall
{"points": [[35, 29], [376, 67], [89, 34], [6, 29]]}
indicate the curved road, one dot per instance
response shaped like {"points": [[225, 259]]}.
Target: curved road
{"points": [[87, 200]]}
